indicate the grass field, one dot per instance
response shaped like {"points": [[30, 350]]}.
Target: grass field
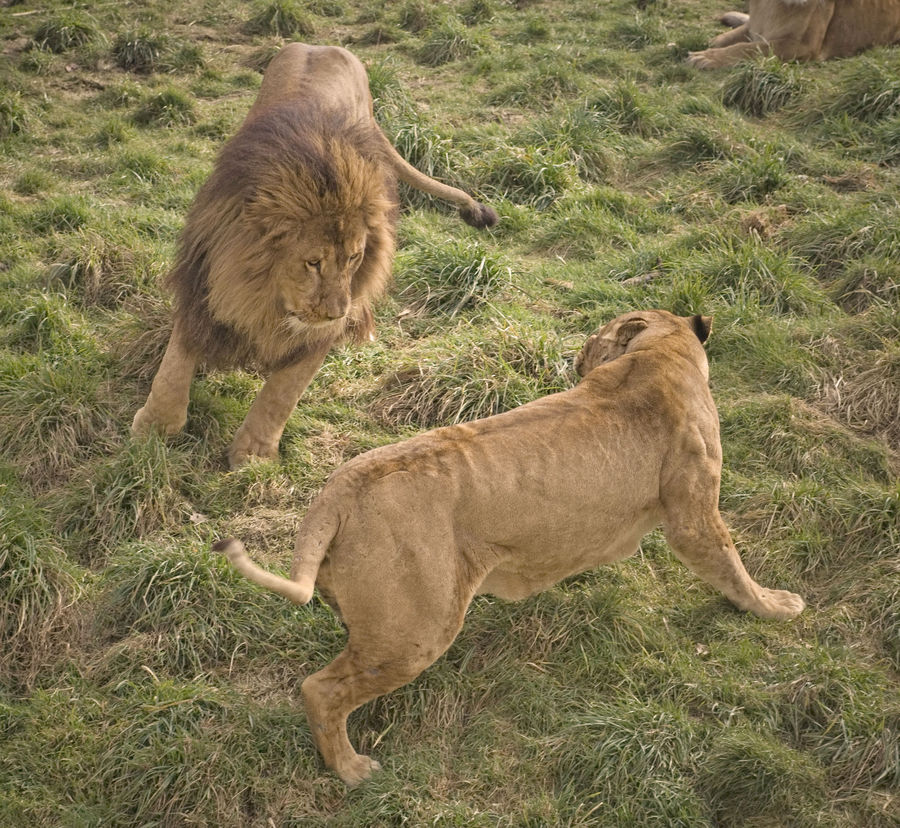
{"points": [[143, 683]]}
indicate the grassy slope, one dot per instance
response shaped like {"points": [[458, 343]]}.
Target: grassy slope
{"points": [[142, 683]]}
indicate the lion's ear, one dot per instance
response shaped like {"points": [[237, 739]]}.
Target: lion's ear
{"points": [[629, 330], [701, 325]]}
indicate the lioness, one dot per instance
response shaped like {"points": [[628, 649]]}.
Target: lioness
{"points": [[287, 243], [802, 30], [403, 536]]}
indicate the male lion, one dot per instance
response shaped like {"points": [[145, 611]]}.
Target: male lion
{"points": [[288, 243], [802, 30], [403, 536]]}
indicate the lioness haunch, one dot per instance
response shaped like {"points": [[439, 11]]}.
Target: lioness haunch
{"points": [[402, 537]]}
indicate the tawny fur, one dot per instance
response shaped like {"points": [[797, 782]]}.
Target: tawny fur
{"points": [[402, 537], [802, 30], [288, 243]]}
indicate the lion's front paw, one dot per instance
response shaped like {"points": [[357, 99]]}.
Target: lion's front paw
{"points": [[357, 769], [778, 604], [246, 447], [701, 60], [147, 420]]}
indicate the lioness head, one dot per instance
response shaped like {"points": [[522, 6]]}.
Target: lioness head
{"points": [[632, 330]]}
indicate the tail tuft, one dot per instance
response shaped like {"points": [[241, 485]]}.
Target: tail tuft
{"points": [[479, 216]]}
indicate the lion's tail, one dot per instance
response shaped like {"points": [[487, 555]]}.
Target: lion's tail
{"points": [[471, 211]]}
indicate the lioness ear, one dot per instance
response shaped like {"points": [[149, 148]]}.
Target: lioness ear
{"points": [[701, 325], [629, 330]]}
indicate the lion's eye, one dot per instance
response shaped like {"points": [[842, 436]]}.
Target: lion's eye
{"points": [[313, 263], [356, 257]]}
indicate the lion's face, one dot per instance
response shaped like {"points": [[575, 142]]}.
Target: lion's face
{"points": [[313, 272]]}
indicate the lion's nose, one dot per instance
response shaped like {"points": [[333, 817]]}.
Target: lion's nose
{"points": [[336, 307]]}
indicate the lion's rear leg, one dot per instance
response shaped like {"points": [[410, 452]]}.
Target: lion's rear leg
{"points": [[166, 407], [263, 426], [699, 538]]}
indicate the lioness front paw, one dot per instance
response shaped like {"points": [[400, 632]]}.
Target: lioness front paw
{"points": [[245, 448], [357, 770], [146, 420], [778, 604]]}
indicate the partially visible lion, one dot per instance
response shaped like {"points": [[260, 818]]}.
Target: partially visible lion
{"points": [[802, 30], [402, 537], [287, 243]]}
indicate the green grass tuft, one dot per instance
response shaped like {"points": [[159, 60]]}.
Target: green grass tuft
{"points": [[67, 30], [447, 279], [14, 118], [168, 108], [760, 87], [283, 18], [140, 51], [449, 40]]}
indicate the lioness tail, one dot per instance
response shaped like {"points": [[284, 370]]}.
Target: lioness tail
{"points": [[300, 592]]}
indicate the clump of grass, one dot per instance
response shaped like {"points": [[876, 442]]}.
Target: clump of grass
{"points": [[638, 780], [448, 41], [53, 417], [547, 82], [96, 270], [642, 31], [450, 278], [867, 395], [535, 30], [113, 131], [37, 583], [68, 29], [140, 51], [760, 87], [869, 92], [748, 773], [14, 117], [169, 108], [282, 18], [475, 379], [128, 495], [750, 177], [534, 175], [32, 182], [193, 599], [42, 322], [474, 12], [60, 214], [829, 239], [867, 282], [626, 108], [418, 15], [696, 144]]}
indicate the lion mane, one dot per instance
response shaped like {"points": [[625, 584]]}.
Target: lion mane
{"points": [[288, 243], [281, 169]]}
